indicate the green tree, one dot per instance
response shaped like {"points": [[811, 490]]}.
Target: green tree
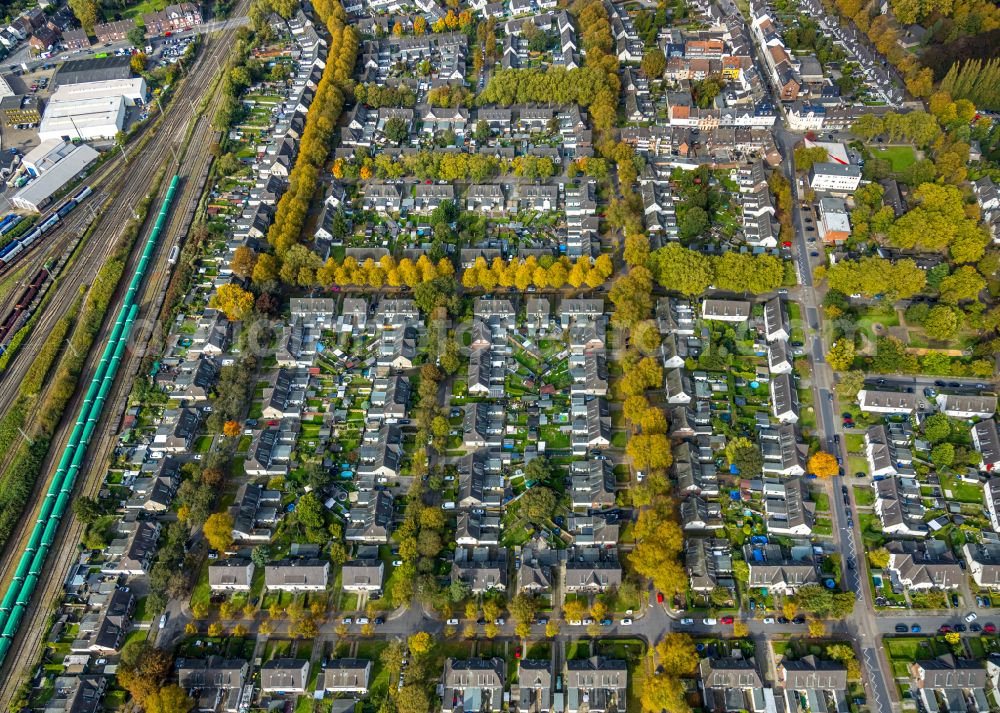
{"points": [[943, 455], [395, 130], [937, 428], [745, 455], [538, 503], [693, 223], [682, 270]]}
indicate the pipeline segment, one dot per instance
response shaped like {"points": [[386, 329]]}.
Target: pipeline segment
{"points": [[57, 498]]}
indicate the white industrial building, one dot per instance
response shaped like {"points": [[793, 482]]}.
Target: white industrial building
{"points": [[132, 89], [46, 155], [37, 194], [87, 119]]}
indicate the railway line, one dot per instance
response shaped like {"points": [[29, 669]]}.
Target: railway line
{"points": [[117, 188], [191, 169]]}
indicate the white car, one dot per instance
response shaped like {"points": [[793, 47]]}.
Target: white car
{"points": [[709, 621], [363, 620], [575, 622], [452, 622], [626, 622], [769, 620], [397, 563], [971, 616], [687, 622]]}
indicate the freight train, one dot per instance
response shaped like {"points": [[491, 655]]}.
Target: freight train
{"points": [[14, 318], [54, 506], [18, 246]]}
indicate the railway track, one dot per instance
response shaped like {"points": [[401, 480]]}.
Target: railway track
{"points": [[124, 184], [192, 169]]}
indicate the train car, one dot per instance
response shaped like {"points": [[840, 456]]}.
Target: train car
{"points": [[65, 209], [8, 249], [30, 238], [10, 256], [175, 252], [49, 223], [9, 226], [26, 297], [82, 194], [10, 218]]}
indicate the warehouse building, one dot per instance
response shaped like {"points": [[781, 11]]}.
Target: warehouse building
{"points": [[132, 89], [86, 119], [37, 194], [46, 155], [94, 69]]}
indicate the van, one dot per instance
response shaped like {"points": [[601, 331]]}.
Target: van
{"points": [[450, 505]]}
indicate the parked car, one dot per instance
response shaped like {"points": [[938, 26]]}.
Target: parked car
{"points": [[901, 628], [687, 622], [727, 620], [709, 621], [915, 629]]}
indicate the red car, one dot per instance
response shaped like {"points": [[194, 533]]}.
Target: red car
{"points": [[989, 628], [944, 629], [659, 597], [727, 620], [517, 652], [786, 244]]}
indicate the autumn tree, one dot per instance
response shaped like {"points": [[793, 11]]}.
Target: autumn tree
{"points": [[823, 465], [420, 643], [235, 302], [244, 260], [218, 530], [879, 557], [841, 354], [659, 542], [169, 699], [231, 429]]}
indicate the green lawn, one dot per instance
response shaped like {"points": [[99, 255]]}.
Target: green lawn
{"points": [[863, 495], [901, 157], [138, 10]]}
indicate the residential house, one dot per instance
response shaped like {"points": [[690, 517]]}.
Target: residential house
{"points": [[788, 508], [217, 682], [473, 685], [986, 441], [350, 676], [533, 691], [725, 310], [284, 676], [776, 325], [899, 507], [592, 484], [983, 561], [779, 569], [596, 685], [297, 575], [889, 402], [233, 574], [950, 683], [784, 398], [967, 406], [821, 684], [709, 563], [923, 565], [731, 684]]}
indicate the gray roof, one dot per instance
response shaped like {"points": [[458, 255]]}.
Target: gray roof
{"points": [[93, 69]]}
